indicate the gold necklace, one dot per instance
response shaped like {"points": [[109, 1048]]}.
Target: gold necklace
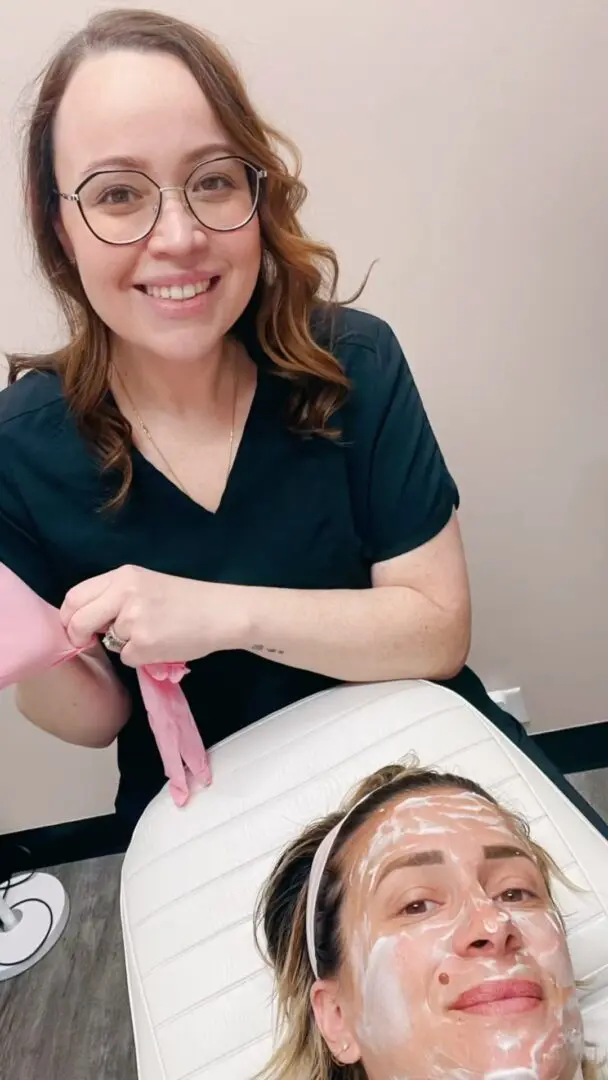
{"points": [[146, 431]]}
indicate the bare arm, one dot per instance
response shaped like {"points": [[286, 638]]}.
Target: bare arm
{"points": [[415, 622], [80, 701]]}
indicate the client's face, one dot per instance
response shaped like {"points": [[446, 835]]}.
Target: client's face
{"points": [[455, 962]]}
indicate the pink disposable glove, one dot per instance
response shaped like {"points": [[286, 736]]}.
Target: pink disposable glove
{"points": [[32, 639]]}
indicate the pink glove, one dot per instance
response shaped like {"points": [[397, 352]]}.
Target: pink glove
{"points": [[32, 639]]}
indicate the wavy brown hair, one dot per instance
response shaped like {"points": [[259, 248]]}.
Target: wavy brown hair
{"points": [[298, 277], [280, 918]]}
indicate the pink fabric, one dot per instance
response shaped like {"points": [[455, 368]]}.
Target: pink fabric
{"points": [[177, 736], [32, 638]]}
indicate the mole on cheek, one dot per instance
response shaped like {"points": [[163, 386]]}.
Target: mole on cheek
{"points": [[444, 978]]}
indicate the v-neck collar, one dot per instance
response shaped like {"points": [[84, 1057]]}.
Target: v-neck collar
{"points": [[144, 466]]}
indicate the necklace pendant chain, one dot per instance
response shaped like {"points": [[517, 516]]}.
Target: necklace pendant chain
{"points": [[148, 435]]}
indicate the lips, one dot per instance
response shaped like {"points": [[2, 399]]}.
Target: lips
{"points": [[491, 993]]}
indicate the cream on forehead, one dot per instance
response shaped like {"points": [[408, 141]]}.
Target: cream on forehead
{"points": [[413, 817]]}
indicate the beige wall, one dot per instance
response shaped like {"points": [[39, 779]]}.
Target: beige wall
{"points": [[466, 146]]}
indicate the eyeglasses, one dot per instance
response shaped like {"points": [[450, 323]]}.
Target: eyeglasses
{"points": [[123, 206]]}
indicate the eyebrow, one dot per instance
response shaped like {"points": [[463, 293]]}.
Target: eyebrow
{"points": [[125, 161], [432, 857]]}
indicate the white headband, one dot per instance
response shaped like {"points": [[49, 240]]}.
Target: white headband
{"points": [[317, 869]]}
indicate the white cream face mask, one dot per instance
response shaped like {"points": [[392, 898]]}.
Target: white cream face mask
{"points": [[455, 961]]}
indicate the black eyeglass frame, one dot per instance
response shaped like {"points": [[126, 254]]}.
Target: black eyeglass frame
{"points": [[259, 173]]}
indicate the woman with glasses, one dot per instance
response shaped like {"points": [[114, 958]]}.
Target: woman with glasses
{"points": [[222, 465]]}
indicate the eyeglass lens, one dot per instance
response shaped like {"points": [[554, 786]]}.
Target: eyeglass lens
{"points": [[122, 206]]}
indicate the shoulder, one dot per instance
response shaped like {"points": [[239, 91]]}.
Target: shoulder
{"points": [[350, 333], [37, 432], [36, 398], [33, 410], [367, 350], [371, 357]]}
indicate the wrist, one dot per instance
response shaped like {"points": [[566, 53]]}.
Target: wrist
{"points": [[261, 621], [237, 602]]}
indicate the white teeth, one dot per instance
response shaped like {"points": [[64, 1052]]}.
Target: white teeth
{"points": [[177, 292]]}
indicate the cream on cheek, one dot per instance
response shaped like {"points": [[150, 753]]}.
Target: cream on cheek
{"points": [[391, 977], [543, 1044], [562, 1041], [400, 1024], [385, 1014], [543, 937]]}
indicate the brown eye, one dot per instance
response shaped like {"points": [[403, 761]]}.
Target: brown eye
{"points": [[117, 196], [214, 184], [419, 907], [516, 895]]}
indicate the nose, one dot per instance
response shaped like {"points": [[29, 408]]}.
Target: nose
{"points": [[486, 928], [177, 232]]}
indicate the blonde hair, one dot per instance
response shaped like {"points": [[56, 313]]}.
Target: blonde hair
{"points": [[280, 917], [290, 315]]}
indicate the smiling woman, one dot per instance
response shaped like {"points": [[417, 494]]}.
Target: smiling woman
{"points": [[414, 935], [224, 465]]}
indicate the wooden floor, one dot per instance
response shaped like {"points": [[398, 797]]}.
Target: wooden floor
{"points": [[68, 1017]]}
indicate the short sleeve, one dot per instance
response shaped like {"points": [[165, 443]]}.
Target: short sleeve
{"points": [[20, 549], [402, 492]]}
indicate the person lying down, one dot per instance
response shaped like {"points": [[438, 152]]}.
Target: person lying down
{"points": [[413, 936]]}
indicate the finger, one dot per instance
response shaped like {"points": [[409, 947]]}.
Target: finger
{"points": [[84, 593], [94, 618], [129, 654], [122, 627]]}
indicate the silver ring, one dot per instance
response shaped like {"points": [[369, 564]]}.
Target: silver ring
{"points": [[112, 641]]}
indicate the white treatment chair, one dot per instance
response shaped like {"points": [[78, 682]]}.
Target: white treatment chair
{"points": [[200, 994]]}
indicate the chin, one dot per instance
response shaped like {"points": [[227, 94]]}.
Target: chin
{"points": [[185, 348], [559, 1062]]}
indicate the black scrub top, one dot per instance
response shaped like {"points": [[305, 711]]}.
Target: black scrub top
{"points": [[298, 513]]}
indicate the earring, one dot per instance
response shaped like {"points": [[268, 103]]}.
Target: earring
{"points": [[343, 1049]]}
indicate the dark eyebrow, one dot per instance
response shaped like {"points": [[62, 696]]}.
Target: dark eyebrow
{"points": [[125, 161], [506, 851], [432, 857], [419, 858]]}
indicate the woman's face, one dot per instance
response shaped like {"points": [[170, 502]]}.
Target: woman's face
{"points": [[455, 962], [147, 108]]}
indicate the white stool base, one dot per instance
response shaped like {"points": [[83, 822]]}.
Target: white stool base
{"points": [[39, 910]]}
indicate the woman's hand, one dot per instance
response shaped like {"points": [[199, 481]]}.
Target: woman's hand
{"points": [[163, 619]]}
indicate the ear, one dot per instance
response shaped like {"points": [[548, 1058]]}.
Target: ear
{"points": [[333, 1022]]}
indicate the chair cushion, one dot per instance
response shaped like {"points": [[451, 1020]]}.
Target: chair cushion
{"points": [[200, 995]]}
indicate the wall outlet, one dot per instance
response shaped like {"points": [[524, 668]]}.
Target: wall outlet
{"points": [[512, 701]]}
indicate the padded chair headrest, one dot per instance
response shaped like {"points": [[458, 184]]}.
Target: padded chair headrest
{"points": [[201, 997]]}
